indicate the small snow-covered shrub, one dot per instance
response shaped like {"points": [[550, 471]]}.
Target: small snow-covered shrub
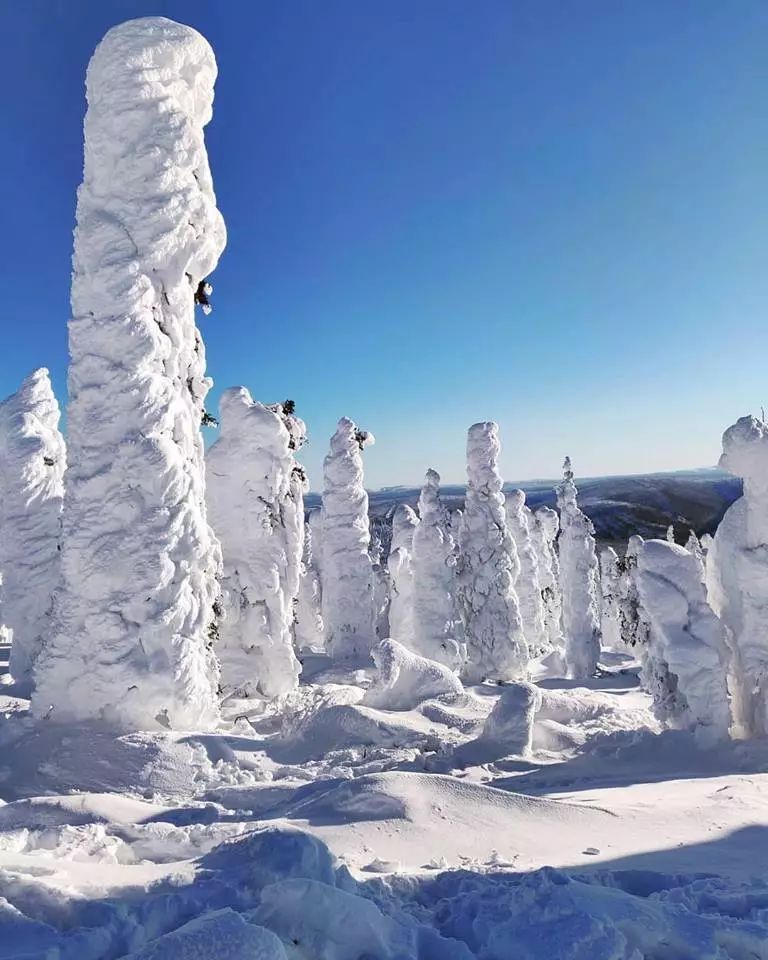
{"points": [[404, 679]]}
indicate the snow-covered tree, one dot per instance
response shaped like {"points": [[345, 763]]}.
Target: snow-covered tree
{"points": [[347, 572], [527, 584], [633, 622], [435, 619], [309, 630], [579, 580], [32, 463], [382, 585], [135, 615], [693, 546], [544, 526], [737, 573], [256, 506], [488, 605], [686, 658], [400, 566], [610, 592]]}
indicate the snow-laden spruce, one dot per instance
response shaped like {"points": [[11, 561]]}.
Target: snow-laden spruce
{"points": [[400, 566], [488, 605], [135, 618], [610, 592], [527, 584], [737, 573], [347, 571], [693, 545], [579, 579], [435, 619], [308, 629], [686, 642], [544, 525], [32, 463], [256, 506]]}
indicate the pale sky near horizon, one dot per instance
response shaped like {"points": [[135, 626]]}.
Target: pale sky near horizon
{"points": [[548, 214]]}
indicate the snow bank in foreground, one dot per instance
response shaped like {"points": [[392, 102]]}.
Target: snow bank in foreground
{"points": [[32, 463], [404, 679], [256, 504], [134, 622]]}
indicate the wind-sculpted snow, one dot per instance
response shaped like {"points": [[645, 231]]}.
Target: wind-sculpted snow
{"points": [[488, 604], [737, 573], [687, 637], [346, 569], [401, 576], [435, 618], [255, 500], [579, 578], [527, 584], [404, 679], [32, 463], [135, 618]]}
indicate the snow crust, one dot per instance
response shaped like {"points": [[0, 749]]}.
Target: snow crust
{"points": [[32, 464], [348, 603], [255, 498], [139, 562], [488, 567]]}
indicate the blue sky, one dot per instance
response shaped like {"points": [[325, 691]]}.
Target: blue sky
{"points": [[550, 214]]}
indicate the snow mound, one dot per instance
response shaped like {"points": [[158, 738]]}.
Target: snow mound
{"points": [[404, 679], [509, 727]]}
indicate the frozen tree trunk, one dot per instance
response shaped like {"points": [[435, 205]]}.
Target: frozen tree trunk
{"points": [[610, 589], [687, 642], [309, 631], [347, 572], [400, 566], [496, 647], [579, 578], [435, 619], [256, 506], [32, 463], [737, 574], [544, 526], [527, 585], [135, 617]]}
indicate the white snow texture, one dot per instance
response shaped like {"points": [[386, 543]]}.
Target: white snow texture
{"points": [[527, 585], [400, 566], [404, 679], [131, 643]]}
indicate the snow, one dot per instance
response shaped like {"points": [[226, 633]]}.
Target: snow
{"points": [[400, 568], [404, 679], [579, 579], [139, 562], [488, 567], [256, 506], [32, 464], [527, 585], [544, 530], [346, 568]]}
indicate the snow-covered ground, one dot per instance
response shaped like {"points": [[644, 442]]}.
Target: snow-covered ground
{"points": [[351, 831]]}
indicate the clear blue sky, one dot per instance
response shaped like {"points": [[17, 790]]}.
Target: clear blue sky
{"points": [[550, 214]]}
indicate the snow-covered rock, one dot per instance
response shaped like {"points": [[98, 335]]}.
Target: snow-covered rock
{"points": [[544, 526], [346, 569], [509, 727], [687, 638], [256, 506], [737, 573], [135, 617], [488, 604], [435, 619], [579, 578], [400, 567], [527, 584], [404, 679], [32, 463]]}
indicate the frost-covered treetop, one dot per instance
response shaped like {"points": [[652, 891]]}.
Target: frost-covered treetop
{"points": [[567, 493], [244, 420], [483, 448], [548, 521], [745, 451], [32, 412], [516, 500]]}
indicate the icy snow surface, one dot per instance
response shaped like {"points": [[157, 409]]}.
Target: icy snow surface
{"points": [[340, 829]]}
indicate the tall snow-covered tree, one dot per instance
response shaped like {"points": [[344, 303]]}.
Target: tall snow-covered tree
{"points": [[135, 616], [579, 579], [32, 463], [544, 526], [400, 566], [435, 618], [686, 657], [309, 630], [256, 505], [488, 604], [527, 584], [347, 572], [610, 590], [737, 573]]}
